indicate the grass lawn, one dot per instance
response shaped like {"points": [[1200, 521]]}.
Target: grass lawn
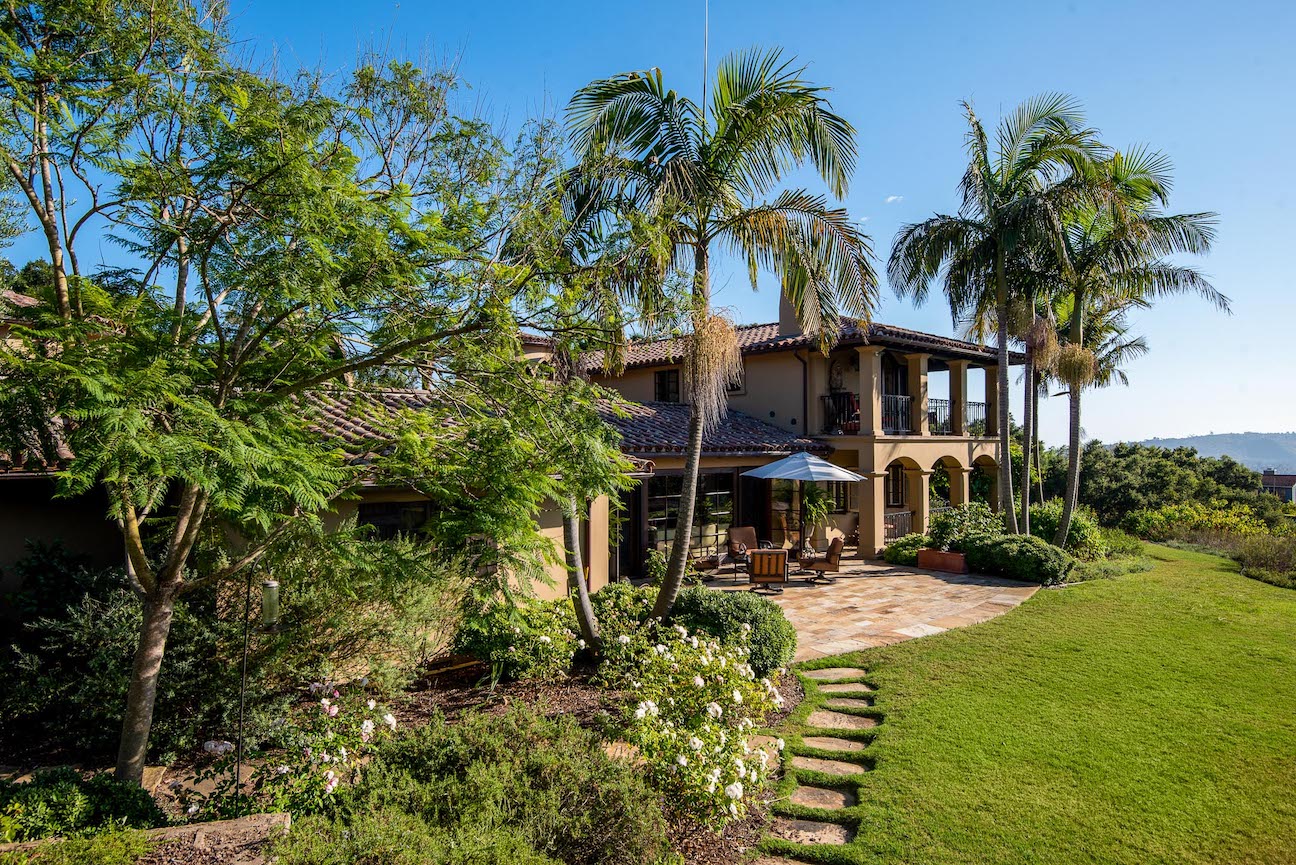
{"points": [[1148, 718]]}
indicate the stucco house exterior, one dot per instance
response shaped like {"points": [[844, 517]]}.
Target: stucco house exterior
{"points": [[1283, 486]]}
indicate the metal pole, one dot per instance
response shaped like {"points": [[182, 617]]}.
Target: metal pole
{"points": [[247, 616]]}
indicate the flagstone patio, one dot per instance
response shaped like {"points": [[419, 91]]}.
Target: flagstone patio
{"points": [[876, 604]]}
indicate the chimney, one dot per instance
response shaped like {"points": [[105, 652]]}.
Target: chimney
{"points": [[788, 323], [1270, 472]]}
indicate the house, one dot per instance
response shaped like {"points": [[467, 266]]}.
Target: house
{"points": [[869, 405], [1283, 486]]}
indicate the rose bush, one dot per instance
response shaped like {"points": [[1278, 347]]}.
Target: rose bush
{"points": [[695, 705], [534, 640]]}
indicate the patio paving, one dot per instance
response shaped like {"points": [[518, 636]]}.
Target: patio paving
{"points": [[876, 604]]}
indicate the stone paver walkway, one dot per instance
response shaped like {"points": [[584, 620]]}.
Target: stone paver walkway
{"points": [[876, 604]]}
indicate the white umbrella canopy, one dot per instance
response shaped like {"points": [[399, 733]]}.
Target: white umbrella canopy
{"points": [[803, 467]]}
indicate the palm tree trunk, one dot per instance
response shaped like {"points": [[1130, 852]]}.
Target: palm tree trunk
{"points": [[1007, 506], [679, 557], [1028, 421], [1072, 496], [1035, 435], [576, 577]]}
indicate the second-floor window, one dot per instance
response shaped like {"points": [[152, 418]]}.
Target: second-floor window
{"points": [[666, 386]]}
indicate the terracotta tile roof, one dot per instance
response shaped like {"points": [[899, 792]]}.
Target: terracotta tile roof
{"points": [[358, 419], [15, 299], [661, 428], [762, 338]]}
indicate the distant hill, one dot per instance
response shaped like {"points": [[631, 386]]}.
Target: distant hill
{"points": [[1259, 451]]}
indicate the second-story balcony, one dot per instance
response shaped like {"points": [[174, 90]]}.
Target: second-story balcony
{"points": [[841, 415]]}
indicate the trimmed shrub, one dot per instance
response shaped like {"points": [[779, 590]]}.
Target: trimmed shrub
{"points": [[1018, 557], [1121, 544], [534, 640], [1084, 539], [59, 802], [951, 529], [905, 550], [771, 640], [512, 778]]}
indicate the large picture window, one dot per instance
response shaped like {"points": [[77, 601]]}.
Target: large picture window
{"points": [[666, 385], [713, 509]]}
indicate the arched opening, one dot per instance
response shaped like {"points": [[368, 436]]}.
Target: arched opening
{"points": [[947, 485], [905, 498]]}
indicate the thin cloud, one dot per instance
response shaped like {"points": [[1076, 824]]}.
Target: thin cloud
{"points": [[893, 199]]}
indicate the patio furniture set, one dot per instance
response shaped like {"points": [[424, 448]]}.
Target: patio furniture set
{"points": [[768, 569]]}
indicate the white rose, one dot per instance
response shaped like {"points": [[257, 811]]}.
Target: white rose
{"points": [[734, 790]]}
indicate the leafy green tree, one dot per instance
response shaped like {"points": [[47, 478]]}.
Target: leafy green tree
{"points": [[1011, 197], [1115, 248], [702, 176], [304, 248]]}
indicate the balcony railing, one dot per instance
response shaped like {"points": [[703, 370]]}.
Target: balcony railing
{"points": [[897, 413], [841, 413], [940, 418], [896, 525]]}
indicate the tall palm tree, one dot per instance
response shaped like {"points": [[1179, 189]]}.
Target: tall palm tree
{"points": [[706, 178], [1011, 201], [1115, 249]]}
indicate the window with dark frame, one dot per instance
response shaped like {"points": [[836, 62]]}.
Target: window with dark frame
{"points": [[839, 496], [666, 385], [895, 486], [391, 519]]}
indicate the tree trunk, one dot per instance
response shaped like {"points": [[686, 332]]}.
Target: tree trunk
{"points": [[679, 557], [158, 609], [1028, 421], [48, 212], [1072, 496], [682, 544], [576, 577], [1007, 506], [1035, 434]]}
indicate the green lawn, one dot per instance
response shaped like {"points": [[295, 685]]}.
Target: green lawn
{"points": [[1148, 718]]}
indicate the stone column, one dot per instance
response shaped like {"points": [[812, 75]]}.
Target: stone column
{"points": [[870, 389], [918, 495], [958, 370], [872, 507], [917, 366], [960, 486], [992, 399]]}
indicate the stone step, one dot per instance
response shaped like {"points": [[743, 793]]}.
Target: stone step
{"points": [[822, 797], [829, 767], [839, 721], [845, 688], [849, 703], [832, 743], [810, 831], [832, 674]]}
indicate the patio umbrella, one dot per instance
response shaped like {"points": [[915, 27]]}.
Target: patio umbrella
{"points": [[801, 467]]}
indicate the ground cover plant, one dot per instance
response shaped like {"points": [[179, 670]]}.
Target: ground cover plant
{"points": [[1145, 718]]}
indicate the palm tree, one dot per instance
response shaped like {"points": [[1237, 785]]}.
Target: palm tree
{"points": [[1011, 201], [1114, 250], [706, 180]]}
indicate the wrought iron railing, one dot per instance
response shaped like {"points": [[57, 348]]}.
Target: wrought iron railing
{"points": [[897, 413], [976, 419], [841, 413], [896, 525], [939, 420]]}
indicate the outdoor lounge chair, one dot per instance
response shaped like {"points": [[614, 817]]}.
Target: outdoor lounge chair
{"points": [[767, 569], [829, 562], [741, 540]]}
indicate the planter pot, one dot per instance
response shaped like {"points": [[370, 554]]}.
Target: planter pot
{"points": [[939, 560]]}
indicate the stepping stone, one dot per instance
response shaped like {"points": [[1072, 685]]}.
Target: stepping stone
{"points": [[810, 831], [832, 674], [845, 688], [829, 767], [624, 752], [822, 797], [839, 721], [832, 743], [848, 703]]}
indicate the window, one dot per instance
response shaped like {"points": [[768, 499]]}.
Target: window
{"points": [[666, 385], [390, 519], [712, 510], [895, 486], [839, 494]]}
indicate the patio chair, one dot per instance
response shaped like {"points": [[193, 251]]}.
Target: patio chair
{"points": [[767, 570], [830, 562], [741, 540]]}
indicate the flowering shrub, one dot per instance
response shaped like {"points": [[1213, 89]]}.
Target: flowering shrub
{"points": [[535, 640], [1084, 539], [325, 741], [739, 619], [1178, 522], [696, 705], [954, 528]]}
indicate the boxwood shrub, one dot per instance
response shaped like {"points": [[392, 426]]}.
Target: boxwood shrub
{"points": [[1085, 539], [951, 529], [1019, 557], [59, 802], [722, 615], [905, 550]]}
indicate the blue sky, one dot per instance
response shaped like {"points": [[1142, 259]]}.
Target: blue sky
{"points": [[1209, 83]]}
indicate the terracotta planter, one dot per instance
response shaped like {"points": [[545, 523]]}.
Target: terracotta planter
{"points": [[939, 560]]}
